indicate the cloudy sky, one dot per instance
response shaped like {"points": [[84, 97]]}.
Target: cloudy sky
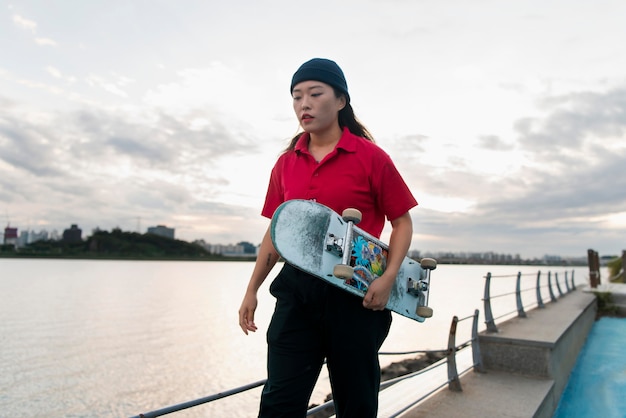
{"points": [[507, 119]]}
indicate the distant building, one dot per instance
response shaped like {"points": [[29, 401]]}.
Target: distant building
{"points": [[229, 250], [28, 237], [162, 231], [23, 240], [38, 236], [551, 258], [73, 235], [54, 235], [238, 250], [10, 236]]}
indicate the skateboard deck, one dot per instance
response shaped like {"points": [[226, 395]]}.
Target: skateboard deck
{"points": [[319, 241]]}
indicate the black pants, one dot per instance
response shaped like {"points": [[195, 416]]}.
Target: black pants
{"points": [[314, 321]]}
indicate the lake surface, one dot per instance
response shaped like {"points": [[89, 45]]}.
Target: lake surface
{"points": [[119, 338]]}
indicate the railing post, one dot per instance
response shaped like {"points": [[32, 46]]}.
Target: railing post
{"points": [[476, 355], [567, 289], [539, 298], [552, 297], [518, 296], [573, 284], [594, 268], [558, 287], [491, 326], [454, 383]]}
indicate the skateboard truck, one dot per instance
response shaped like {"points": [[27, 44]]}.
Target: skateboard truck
{"points": [[422, 285], [334, 245], [415, 287], [345, 270]]}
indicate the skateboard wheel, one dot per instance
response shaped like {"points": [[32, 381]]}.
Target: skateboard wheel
{"points": [[424, 311], [343, 272], [353, 215], [428, 263]]}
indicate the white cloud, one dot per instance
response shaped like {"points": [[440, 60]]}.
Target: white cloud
{"points": [[617, 220], [111, 86], [45, 42], [508, 126], [31, 26], [54, 72], [25, 23]]}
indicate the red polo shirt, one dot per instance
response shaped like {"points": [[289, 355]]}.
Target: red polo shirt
{"points": [[356, 174]]}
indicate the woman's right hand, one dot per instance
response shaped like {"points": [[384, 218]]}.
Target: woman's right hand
{"points": [[265, 261], [246, 312]]}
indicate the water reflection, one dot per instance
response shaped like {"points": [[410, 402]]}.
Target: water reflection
{"points": [[116, 338]]}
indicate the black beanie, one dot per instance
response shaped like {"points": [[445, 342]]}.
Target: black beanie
{"points": [[324, 70]]}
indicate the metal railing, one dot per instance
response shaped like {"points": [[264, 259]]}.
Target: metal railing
{"points": [[539, 299], [453, 382], [453, 375], [450, 360]]}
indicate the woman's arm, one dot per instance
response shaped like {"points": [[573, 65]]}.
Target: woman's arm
{"points": [[266, 260], [401, 234]]}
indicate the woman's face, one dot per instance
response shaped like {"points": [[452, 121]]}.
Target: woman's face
{"points": [[316, 106]]}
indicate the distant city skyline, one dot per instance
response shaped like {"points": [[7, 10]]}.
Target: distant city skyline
{"points": [[236, 248]]}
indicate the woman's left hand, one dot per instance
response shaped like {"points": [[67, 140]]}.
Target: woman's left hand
{"points": [[378, 293]]}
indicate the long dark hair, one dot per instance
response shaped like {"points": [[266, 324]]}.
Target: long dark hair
{"points": [[347, 119]]}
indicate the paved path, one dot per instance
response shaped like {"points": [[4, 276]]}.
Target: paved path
{"points": [[493, 394]]}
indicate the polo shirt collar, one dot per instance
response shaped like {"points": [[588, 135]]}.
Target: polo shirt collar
{"points": [[347, 142]]}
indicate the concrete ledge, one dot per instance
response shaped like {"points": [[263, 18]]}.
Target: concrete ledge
{"points": [[528, 363], [527, 346]]}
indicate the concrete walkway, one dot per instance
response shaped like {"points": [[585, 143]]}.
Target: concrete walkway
{"points": [[492, 394], [527, 363]]}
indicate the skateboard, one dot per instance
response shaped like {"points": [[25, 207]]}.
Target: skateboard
{"points": [[319, 241]]}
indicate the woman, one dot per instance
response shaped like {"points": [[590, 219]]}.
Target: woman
{"points": [[334, 162]]}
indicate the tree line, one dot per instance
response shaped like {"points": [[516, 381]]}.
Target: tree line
{"points": [[115, 244]]}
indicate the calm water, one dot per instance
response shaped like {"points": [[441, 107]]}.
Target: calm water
{"points": [[118, 338]]}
